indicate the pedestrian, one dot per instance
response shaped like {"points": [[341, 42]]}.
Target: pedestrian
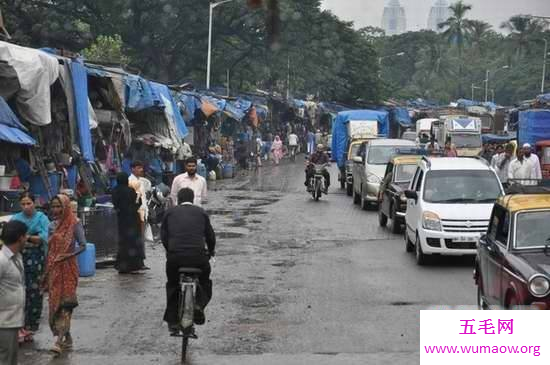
{"points": [[12, 289], [241, 154], [34, 260], [61, 278], [318, 137], [293, 144], [501, 163], [521, 170], [142, 186], [130, 255], [259, 148], [310, 142], [277, 149], [449, 151], [190, 241], [527, 152], [190, 179]]}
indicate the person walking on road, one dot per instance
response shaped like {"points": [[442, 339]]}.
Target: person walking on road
{"points": [[293, 144], [501, 163], [277, 149], [130, 253], [190, 241], [310, 142], [61, 279], [527, 152], [12, 290], [190, 179], [521, 170], [34, 260]]}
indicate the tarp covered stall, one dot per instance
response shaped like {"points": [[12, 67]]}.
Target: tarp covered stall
{"points": [[534, 126], [340, 129], [11, 129], [495, 138], [237, 109], [35, 71], [170, 108], [82, 112], [139, 94]]}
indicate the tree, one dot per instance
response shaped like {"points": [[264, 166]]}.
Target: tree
{"points": [[107, 49], [457, 29], [478, 33], [521, 30]]}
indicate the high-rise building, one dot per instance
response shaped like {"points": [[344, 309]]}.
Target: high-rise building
{"points": [[439, 13], [394, 20]]}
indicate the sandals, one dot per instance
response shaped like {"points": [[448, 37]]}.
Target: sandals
{"points": [[61, 345]]}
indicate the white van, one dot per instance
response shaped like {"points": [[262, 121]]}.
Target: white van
{"points": [[449, 205]]}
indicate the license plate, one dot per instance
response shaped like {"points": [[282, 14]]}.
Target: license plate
{"points": [[464, 239]]}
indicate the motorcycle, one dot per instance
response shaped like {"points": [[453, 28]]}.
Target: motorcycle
{"points": [[317, 183], [157, 203]]}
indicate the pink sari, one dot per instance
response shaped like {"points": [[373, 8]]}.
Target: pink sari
{"points": [[277, 149]]}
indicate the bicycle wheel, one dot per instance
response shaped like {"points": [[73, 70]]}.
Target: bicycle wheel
{"points": [[187, 311], [184, 343]]}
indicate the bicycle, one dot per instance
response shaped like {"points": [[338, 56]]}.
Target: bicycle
{"points": [[189, 282], [293, 151]]}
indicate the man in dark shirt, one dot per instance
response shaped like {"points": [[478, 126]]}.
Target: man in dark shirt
{"points": [[318, 158], [190, 241]]}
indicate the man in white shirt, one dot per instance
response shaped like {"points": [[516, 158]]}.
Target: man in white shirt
{"points": [[521, 170], [537, 171], [191, 180], [501, 163], [12, 290], [293, 144]]}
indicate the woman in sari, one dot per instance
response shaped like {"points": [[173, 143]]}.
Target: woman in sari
{"points": [[130, 250], [61, 278], [34, 260], [277, 149]]}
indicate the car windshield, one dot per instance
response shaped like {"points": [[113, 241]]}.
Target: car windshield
{"points": [[380, 155], [466, 140], [461, 186], [532, 229], [404, 173]]}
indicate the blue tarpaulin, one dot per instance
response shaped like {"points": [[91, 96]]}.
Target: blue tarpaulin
{"points": [[80, 86], [163, 92], [218, 103], [401, 116], [237, 109], [11, 129], [495, 138], [189, 102], [139, 94], [543, 98], [340, 138], [534, 126]]}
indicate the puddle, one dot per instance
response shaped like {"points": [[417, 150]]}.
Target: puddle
{"points": [[258, 301], [284, 264], [402, 304], [235, 213]]}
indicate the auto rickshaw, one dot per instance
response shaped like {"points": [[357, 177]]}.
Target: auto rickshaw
{"points": [[543, 151]]}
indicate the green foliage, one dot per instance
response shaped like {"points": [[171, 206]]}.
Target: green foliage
{"points": [[107, 49], [167, 40]]}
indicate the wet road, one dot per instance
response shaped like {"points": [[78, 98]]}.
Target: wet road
{"points": [[295, 282]]}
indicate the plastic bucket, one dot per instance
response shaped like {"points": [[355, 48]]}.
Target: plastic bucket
{"points": [[86, 261], [227, 171]]}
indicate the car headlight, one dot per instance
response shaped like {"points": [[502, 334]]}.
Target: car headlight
{"points": [[431, 221], [403, 197], [373, 179], [539, 286]]}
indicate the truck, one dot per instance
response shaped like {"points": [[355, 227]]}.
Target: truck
{"points": [[350, 129], [463, 131], [423, 129]]}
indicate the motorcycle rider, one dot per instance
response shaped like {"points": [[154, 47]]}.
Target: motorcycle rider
{"points": [[318, 158]]}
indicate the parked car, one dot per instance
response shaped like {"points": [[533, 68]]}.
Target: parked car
{"points": [[449, 204], [369, 167], [393, 202], [512, 267]]}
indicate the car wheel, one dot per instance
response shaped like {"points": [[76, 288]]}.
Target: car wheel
{"points": [[421, 258], [382, 219], [481, 305], [364, 202], [356, 197], [349, 188], [409, 247], [395, 226]]}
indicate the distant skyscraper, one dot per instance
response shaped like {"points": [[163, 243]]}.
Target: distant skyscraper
{"points": [[394, 20], [439, 13]]}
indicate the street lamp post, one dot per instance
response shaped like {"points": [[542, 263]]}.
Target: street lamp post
{"points": [[400, 54], [487, 81], [544, 66], [209, 62], [474, 87]]}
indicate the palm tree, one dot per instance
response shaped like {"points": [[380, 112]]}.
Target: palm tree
{"points": [[478, 32], [521, 29], [457, 29]]}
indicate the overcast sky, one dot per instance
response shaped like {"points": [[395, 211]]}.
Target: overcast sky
{"points": [[369, 12]]}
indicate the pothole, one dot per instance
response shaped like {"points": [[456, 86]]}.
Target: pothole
{"points": [[402, 304], [237, 213], [229, 235]]}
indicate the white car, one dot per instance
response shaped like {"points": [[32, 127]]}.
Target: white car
{"points": [[449, 205]]}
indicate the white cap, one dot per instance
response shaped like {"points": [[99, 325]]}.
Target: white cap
{"points": [[526, 145]]}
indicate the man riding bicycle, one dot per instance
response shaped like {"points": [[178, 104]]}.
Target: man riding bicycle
{"points": [[293, 144], [318, 158], [190, 241]]}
